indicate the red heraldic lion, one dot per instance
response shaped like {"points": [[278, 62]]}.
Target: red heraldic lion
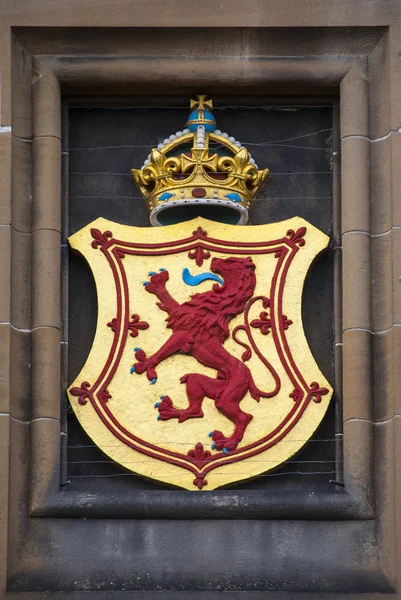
{"points": [[200, 328]]}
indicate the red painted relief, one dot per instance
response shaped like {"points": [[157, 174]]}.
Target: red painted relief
{"points": [[200, 327], [134, 325], [199, 254]]}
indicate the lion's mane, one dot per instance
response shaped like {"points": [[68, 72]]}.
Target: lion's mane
{"points": [[210, 312]]}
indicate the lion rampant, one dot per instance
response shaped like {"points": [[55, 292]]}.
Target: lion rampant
{"points": [[200, 327]]}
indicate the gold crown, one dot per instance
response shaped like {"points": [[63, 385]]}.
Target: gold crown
{"points": [[199, 165]]}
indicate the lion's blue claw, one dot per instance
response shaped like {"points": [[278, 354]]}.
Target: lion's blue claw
{"points": [[162, 397], [145, 282], [153, 381], [213, 446], [136, 349], [132, 370], [152, 273], [158, 417], [225, 451], [162, 269], [211, 433], [157, 404]]}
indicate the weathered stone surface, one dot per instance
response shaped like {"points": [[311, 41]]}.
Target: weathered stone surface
{"points": [[355, 184], [5, 368], [21, 279], [46, 188], [45, 372], [382, 281], [5, 177], [21, 184], [46, 105], [357, 373], [396, 258], [4, 499], [20, 374], [46, 278], [5, 270], [356, 281], [354, 90]]}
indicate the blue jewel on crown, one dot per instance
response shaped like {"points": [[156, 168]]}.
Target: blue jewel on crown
{"points": [[166, 196], [234, 197]]}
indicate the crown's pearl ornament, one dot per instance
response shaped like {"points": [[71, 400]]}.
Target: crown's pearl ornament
{"points": [[200, 136], [198, 176]]}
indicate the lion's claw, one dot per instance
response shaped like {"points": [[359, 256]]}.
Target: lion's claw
{"points": [[223, 443], [143, 366], [167, 403], [138, 368], [157, 281], [140, 355], [151, 375], [165, 409]]}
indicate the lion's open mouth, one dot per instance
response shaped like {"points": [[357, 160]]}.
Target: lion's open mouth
{"points": [[214, 268]]}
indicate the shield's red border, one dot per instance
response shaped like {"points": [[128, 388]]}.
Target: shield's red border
{"points": [[198, 246]]}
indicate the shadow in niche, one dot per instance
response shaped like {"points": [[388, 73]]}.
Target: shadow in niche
{"points": [[179, 214], [82, 313]]}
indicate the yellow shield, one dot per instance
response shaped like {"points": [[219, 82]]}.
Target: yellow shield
{"points": [[200, 374]]}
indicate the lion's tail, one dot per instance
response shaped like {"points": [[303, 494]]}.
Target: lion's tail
{"points": [[257, 394]]}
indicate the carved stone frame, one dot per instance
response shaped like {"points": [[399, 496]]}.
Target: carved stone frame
{"points": [[367, 323]]}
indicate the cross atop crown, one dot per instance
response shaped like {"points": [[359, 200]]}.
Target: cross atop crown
{"points": [[201, 102]]}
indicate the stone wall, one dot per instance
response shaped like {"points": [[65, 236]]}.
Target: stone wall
{"points": [[342, 544]]}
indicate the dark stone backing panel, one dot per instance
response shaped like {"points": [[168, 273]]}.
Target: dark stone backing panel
{"points": [[297, 145]]}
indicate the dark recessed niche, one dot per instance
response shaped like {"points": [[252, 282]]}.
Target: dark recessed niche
{"points": [[294, 141], [179, 214]]}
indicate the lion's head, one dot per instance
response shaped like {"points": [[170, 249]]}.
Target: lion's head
{"points": [[217, 306], [233, 268]]}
